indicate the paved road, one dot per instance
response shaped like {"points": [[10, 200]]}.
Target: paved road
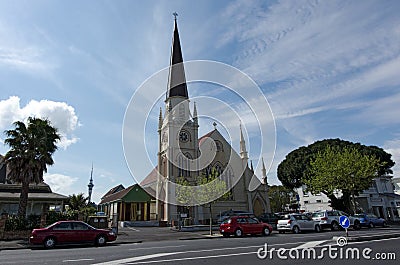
{"points": [[209, 251]]}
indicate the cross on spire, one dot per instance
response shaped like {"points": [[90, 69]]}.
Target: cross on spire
{"points": [[175, 15]]}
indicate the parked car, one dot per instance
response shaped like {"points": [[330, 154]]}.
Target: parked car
{"points": [[370, 220], [70, 232], [327, 219], [296, 223], [227, 214], [270, 218], [243, 225]]}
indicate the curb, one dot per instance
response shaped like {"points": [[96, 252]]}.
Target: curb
{"points": [[202, 237], [17, 246]]}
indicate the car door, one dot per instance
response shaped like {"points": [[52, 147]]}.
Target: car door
{"points": [[307, 224], [83, 233], [242, 223], [63, 232], [373, 219], [254, 225]]}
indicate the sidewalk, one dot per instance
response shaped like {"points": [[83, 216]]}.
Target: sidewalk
{"points": [[128, 235], [147, 234]]}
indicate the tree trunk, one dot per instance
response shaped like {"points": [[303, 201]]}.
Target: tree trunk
{"points": [[353, 203], [23, 198], [342, 204]]}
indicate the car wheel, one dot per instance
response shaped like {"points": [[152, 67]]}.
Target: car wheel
{"points": [[296, 229], [317, 228], [335, 226], [238, 233], [266, 231], [49, 242], [101, 240]]}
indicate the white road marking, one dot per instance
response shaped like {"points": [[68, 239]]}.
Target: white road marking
{"points": [[76, 260], [133, 229], [196, 258], [178, 246], [311, 244], [133, 259], [139, 258]]}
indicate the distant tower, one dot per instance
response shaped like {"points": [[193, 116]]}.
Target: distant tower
{"points": [[90, 186]]}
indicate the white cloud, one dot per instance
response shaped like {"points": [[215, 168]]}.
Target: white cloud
{"points": [[393, 148], [61, 115], [315, 53], [61, 183]]}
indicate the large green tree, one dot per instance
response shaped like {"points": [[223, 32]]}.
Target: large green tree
{"points": [[341, 170], [296, 165], [280, 198], [207, 190], [31, 148]]}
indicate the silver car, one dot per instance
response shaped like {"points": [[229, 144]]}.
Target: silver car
{"points": [[296, 223]]}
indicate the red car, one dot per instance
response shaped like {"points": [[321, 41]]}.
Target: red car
{"points": [[70, 232], [243, 225]]}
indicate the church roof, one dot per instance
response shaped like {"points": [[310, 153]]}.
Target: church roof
{"points": [[151, 178], [201, 139], [176, 79]]}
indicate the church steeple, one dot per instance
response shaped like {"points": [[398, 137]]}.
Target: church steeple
{"points": [[176, 79], [243, 151], [264, 172]]}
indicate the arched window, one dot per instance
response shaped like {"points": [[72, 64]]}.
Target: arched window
{"points": [[184, 164], [220, 147]]}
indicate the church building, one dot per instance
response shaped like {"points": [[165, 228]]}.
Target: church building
{"points": [[180, 150]]}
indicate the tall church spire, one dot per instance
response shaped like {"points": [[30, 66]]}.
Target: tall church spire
{"points": [[176, 79], [243, 151], [264, 171]]}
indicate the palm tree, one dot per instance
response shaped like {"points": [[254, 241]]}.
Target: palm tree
{"points": [[77, 202], [32, 147]]}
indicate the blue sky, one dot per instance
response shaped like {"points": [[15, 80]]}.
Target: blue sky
{"points": [[329, 69]]}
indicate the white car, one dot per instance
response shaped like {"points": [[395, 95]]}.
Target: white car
{"points": [[296, 223]]}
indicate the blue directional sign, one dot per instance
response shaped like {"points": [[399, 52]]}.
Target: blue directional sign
{"points": [[344, 221]]}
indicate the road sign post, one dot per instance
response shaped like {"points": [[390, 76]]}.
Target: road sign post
{"points": [[344, 222]]}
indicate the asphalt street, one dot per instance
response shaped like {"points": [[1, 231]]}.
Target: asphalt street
{"points": [[246, 250]]}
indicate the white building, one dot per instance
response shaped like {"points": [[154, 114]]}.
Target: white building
{"points": [[380, 199]]}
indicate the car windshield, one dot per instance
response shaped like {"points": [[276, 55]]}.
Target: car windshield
{"points": [[318, 214]]}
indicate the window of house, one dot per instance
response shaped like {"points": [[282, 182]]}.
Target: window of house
{"points": [[319, 201]]}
